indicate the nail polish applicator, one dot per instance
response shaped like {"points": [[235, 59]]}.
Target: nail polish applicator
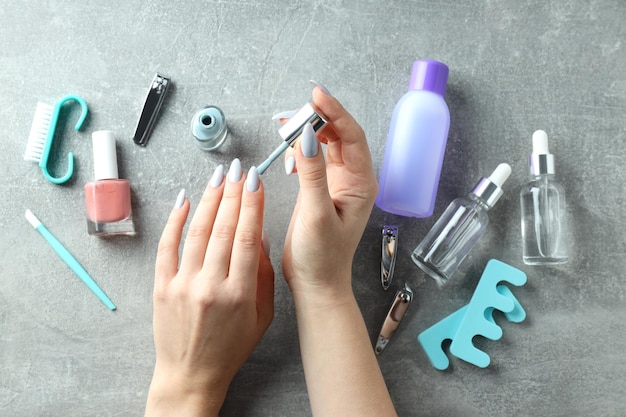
{"points": [[292, 130]]}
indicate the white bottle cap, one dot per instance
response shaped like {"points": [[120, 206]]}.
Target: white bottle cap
{"points": [[541, 160], [104, 155], [500, 174], [490, 189], [540, 143]]}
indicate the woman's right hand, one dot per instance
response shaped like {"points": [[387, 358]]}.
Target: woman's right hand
{"points": [[334, 202]]}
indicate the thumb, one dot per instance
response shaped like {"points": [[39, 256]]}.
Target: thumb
{"points": [[311, 170]]}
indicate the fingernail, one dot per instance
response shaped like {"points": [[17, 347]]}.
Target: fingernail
{"points": [[309, 141], [252, 182], [180, 200], [324, 89], [234, 173], [284, 114], [265, 241], [290, 165], [218, 177]]}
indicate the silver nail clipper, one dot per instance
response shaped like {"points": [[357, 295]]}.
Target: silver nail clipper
{"points": [[398, 309], [151, 108], [389, 253]]}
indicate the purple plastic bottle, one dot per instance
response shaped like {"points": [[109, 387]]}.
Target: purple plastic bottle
{"points": [[416, 144]]}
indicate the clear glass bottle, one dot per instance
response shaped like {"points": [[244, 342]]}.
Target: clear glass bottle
{"points": [[459, 228], [542, 199]]}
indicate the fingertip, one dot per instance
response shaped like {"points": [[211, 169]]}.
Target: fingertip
{"points": [[341, 124], [169, 243], [333, 111], [326, 102], [321, 87], [290, 164], [253, 181], [311, 170], [309, 143], [181, 206], [180, 199], [218, 177], [284, 115], [235, 171]]}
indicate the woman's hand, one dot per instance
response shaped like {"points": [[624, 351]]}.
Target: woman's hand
{"points": [[334, 202], [212, 310]]}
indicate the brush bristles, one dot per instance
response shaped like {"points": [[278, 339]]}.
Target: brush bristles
{"points": [[38, 132]]}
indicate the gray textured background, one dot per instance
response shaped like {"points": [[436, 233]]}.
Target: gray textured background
{"points": [[515, 66]]}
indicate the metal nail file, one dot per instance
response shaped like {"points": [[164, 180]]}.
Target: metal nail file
{"points": [[398, 309], [389, 252], [156, 94]]}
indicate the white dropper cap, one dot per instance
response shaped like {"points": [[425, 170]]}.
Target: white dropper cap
{"points": [[540, 143], [500, 174], [541, 160], [104, 155], [490, 189]]}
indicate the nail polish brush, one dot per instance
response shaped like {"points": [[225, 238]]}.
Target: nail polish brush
{"points": [[292, 130]]}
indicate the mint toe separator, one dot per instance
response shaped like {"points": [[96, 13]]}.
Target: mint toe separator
{"points": [[476, 319]]}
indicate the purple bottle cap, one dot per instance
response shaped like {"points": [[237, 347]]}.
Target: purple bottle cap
{"points": [[429, 75]]}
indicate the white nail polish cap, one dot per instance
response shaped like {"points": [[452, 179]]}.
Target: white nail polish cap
{"points": [[292, 129], [104, 155]]}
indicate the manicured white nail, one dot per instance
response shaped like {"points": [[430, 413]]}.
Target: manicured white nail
{"points": [[309, 141], [284, 114], [234, 173], [252, 182], [324, 89], [290, 165], [265, 240], [218, 177], [180, 200]]}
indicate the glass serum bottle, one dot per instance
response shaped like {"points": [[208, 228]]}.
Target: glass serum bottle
{"points": [[544, 220], [460, 226]]}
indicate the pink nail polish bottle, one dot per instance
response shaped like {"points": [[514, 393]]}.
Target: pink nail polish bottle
{"points": [[107, 198]]}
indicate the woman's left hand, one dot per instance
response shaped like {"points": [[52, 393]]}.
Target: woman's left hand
{"points": [[212, 310]]}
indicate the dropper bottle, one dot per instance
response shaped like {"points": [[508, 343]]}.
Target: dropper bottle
{"points": [[460, 226], [544, 223]]}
